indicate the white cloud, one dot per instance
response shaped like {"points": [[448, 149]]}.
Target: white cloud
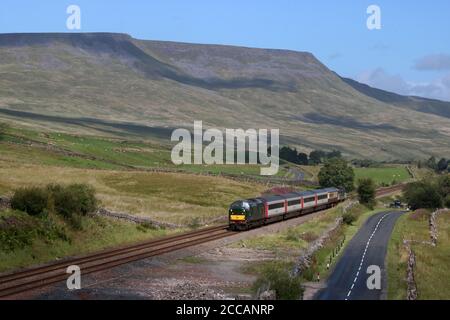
{"points": [[439, 88], [435, 62]]}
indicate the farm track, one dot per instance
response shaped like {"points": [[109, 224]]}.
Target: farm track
{"points": [[38, 277]]}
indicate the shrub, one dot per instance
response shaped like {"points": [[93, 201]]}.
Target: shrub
{"points": [[348, 218], [73, 199], [18, 230], [279, 279], [32, 200], [15, 233]]}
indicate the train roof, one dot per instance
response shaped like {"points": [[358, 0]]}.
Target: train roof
{"points": [[271, 198], [291, 195]]}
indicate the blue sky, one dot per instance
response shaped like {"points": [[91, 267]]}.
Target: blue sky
{"points": [[409, 55]]}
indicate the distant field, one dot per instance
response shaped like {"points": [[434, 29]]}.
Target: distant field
{"points": [[90, 152], [431, 272], [383, 175]]}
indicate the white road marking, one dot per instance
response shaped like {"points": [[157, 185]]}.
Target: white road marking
{"points": [[364, 255]]}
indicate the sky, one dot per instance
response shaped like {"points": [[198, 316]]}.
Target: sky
{"points": [[409, 54]]}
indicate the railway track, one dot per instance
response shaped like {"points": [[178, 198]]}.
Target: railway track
{"points": [[35, 278], [38, 277], [387, 190]]}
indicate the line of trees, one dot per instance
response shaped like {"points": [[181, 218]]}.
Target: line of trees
{"points": [[441, 165], [315, 157]]}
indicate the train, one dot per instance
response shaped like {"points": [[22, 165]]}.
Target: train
{"points": [[250, 213]]}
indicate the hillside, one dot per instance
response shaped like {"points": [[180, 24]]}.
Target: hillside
{"points": [[114, 84]]}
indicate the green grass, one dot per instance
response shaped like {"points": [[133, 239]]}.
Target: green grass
{"points": [[103, 153], [383, 175], [97, 233], [431, 272]]}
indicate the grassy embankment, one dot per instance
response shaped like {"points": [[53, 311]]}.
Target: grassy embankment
{"points": [[27, 240], [431, 272]]}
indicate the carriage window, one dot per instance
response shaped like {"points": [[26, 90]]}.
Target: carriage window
{"points": [[294, 202], [309, 200], [276, 206]]}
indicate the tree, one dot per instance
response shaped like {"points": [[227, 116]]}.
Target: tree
{"points": [[316, 156], [337, 173], [442, 165], [334, 154], [302, 158], [431, 163], [366, 191], [423, 194]]}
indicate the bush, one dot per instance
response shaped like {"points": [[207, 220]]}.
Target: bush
{"points": [[279, 279], [31, 200], [19, 230], [75, 199], [348, 218]]}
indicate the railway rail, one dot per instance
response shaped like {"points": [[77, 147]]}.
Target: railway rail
{"points": [[38, 277], [35, 278]]}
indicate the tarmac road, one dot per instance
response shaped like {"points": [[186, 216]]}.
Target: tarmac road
{"points": [[348, 280]]}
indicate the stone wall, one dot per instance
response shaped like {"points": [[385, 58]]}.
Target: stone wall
{"points": [[135, 219], [411, 290], [304, 261]]}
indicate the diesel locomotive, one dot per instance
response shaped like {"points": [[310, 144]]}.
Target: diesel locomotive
{"points": [[246, 214]]}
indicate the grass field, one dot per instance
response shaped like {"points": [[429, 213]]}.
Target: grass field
{"points": [[171, 197], [431, 272], [383, 175], [91, 152]]}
